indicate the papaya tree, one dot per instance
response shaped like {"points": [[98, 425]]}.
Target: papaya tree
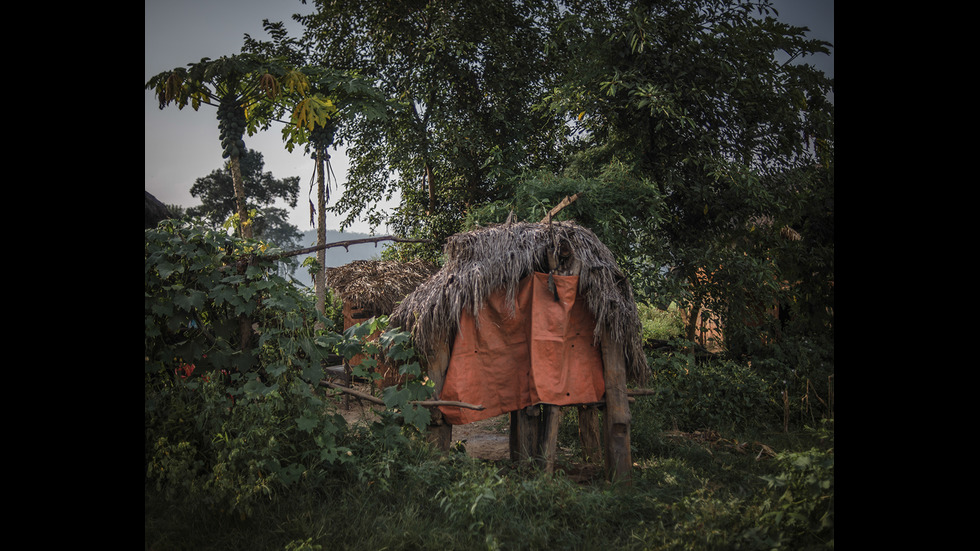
{"points": [[234, 85], [315, 101]]}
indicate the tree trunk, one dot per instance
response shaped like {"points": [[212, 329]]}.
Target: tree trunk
{"points": [[320, 280], [432, 187], [245, 229], [244, 223]]}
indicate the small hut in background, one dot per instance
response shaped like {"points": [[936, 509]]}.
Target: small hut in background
{"points": [[371, 288], [527, 318]]}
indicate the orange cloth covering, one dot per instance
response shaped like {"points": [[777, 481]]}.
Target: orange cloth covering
{"points": [[540, 353]]}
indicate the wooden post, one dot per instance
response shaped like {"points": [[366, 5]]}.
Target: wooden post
{"points": [[589, 433], [440, 432], [514, 438], [524, 433], [548, 437], [619, 461]]}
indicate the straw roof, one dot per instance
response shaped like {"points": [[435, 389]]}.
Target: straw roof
{"points": [[486, 260], [378, 284]]}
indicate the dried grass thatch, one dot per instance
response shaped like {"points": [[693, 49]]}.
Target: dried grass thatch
{"points": [[378, 285], [485, 260]]}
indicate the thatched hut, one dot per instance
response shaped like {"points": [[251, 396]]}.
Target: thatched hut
{"points": [[527, 318], [370, 288]]}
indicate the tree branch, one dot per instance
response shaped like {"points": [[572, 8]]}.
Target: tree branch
{"points": [[372, 399], [346, 244]]}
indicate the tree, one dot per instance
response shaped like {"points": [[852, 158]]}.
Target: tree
{"points": [[235, 85], [332, 99], [692, 96], [262, 191], [465, 75], [316, 102]]}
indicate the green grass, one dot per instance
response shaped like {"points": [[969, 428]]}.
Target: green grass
{"points": [[713, 469], [660, 324], [687, 493]]}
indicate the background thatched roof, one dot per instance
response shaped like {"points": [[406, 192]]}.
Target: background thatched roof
{"points": [[485, 260], [378, 284]]}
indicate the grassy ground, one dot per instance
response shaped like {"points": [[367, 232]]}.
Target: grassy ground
{"points": [[713, 469], [690, 490]]}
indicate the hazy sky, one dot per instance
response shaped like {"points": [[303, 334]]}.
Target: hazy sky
{"points": [[182, 145]]}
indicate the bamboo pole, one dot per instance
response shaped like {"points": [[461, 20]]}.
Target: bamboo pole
{"points": [[345, 245]]}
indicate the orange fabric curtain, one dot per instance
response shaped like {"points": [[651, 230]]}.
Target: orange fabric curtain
{"points": [[541, 352]]}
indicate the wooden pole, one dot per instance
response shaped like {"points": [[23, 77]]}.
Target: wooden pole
{"points": [[548, 437], [380, 402], [440, 433], [589, 433], [619, 461], [568, 200], [524, 433]]}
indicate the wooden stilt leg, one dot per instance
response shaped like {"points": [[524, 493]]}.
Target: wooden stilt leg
{"points": [[440, 432], [616, 421], [589, 433], [514, 438], [524, 433], [548, 437]]}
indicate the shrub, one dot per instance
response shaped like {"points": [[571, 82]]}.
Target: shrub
{"points": [[717, 393], [799, 511], [228, 421]]}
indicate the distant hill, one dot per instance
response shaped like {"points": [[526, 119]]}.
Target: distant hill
{"points": [[338, 256]]}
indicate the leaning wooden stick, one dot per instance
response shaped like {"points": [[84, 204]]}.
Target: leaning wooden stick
{"points": [[423, 403], [568, 200], [346, 244]]}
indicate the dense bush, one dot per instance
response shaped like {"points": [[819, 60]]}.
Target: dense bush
{"points": [[714, 393], [231, 417]]}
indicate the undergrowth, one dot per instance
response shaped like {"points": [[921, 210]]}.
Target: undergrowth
{"points": [[693, 488], [242, 451]]}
